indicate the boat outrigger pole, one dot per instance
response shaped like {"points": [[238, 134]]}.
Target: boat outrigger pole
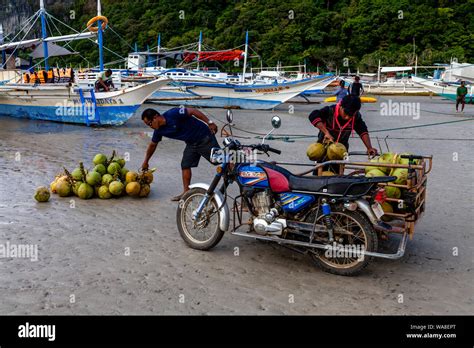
{"points": [[44, 34], [100, 37], [4, 55]]}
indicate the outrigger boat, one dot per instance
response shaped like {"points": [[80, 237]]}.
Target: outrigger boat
{"points": [[67, 102], [443, 89], [212, 88]]}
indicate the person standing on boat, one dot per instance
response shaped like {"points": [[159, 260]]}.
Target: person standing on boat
{"points": [[104, 81], [185, 124], [341, 91], [337, 122], [461, 93], [356, 87]]}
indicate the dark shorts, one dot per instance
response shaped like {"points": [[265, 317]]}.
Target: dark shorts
{"points": [[101, 88], [461, 99], [193, 152]]}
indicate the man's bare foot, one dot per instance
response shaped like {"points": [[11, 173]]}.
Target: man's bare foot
{"points": [[178, 197]]}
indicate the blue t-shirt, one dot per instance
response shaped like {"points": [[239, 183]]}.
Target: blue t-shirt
{"points": [[341, 93], [181, 126]]}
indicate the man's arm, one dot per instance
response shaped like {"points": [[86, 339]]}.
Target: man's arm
{"points": [[200, 115], [317, 119], [361, 128], [366, 140], [149, 152], [323, 129]]}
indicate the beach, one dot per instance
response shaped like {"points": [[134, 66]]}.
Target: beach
{"points": [[125, 256]]}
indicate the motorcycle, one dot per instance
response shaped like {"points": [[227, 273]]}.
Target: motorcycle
{"points": [[333, 219]]}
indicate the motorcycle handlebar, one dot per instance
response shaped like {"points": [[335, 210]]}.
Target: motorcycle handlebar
{"points": [[271, 149]]}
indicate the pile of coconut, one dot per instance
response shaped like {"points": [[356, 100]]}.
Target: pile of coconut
{"points": [[108, 178]]}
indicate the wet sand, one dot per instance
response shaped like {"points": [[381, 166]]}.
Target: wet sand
{"points": [[82, 250]]}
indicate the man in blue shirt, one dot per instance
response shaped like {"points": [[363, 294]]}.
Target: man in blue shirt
{"points": [[185, 124]]}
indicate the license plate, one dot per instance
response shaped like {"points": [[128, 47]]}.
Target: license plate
{"points": [[377, 208]]}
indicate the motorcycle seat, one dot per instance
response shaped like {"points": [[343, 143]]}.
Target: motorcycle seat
{"points": [[339, 185]]}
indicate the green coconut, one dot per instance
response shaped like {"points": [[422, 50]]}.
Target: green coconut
{"points": [[85, 191], [107, 179], [77, 174], [387, 208], [100, 168], [116, 188], [63, 188], [369, 168], [144, 190], [93, 178], [375, 172], [42, 194], [100, 158], [316, 152], [406, 161], [133, 188], [75, 187], [387, 158], [123, 172], [336, 151], [401, 174], [120, 161], [104, 192], [113, 168], [393, 192]]}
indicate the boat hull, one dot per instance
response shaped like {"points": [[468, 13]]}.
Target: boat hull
{"points": [[254, 97], [70, 105]]}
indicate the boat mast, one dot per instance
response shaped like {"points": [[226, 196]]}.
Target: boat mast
{"points": [[4, 55], [378, 73], [44, 34], [245, 54], [199, 48], [101, 43], [416, 64]]}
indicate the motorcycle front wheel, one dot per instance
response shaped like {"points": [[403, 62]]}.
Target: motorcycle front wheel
{"points": [[203, 233], [352, 233]]}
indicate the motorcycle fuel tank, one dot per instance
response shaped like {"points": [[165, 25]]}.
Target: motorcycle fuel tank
{"points": [[253, 176]]}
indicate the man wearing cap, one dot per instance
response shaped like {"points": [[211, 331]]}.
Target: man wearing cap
{"points": [[337, 122]]}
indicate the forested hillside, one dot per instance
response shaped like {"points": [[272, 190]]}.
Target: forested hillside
{"points": [[322, 32]]}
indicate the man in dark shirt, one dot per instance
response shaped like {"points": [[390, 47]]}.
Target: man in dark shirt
{"points": [[337, 122], [185, 124], [356, 87]]}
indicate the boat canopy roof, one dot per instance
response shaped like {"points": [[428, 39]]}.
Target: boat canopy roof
{"points": [[386, 69], [35, 42]]}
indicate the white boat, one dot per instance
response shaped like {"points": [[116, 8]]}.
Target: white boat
{"points": [[443, 89], [243, 96], [212, 88], [68, 102]]}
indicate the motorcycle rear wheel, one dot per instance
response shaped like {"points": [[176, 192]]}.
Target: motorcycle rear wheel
{"points": [[352, 231], [205, 233]]}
